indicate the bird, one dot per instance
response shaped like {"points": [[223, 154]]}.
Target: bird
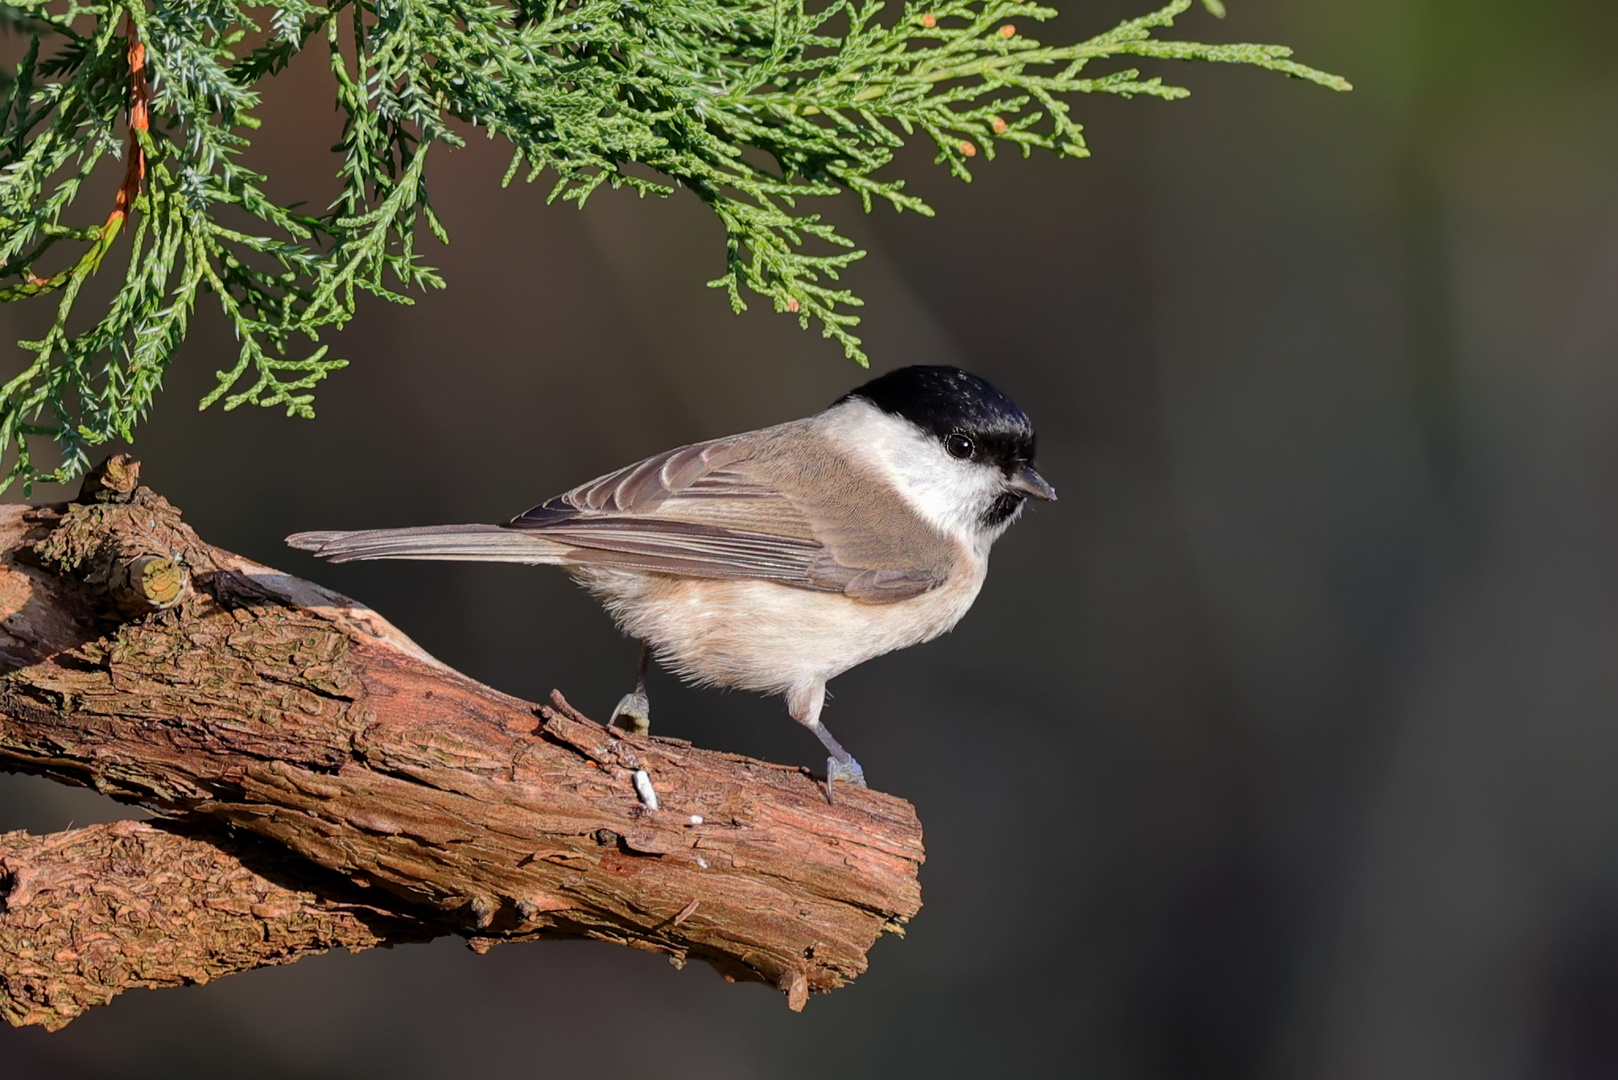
{"points": [[777, 559]]}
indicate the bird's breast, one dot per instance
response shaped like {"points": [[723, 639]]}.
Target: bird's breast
{"points": [[758, 635]]}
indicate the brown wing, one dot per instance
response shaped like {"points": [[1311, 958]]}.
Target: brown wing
{"points": [[740, 507]]}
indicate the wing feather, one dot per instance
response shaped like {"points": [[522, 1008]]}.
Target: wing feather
{"points": [[726, 509]]}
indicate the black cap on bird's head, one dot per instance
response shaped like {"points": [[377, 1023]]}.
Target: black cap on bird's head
{"points": [[966, 414]]}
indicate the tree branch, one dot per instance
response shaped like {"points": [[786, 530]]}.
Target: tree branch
{"points": [[141, 661], [89, 913], [140, 97]]}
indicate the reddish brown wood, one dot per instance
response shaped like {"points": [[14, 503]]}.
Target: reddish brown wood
{"points": [[265, 702], [89, 913]]}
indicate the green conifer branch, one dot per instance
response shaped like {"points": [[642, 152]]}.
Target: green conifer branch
{"points": [[579, 89]]}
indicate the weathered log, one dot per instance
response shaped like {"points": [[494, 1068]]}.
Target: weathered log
{"points": [[219, 690]]}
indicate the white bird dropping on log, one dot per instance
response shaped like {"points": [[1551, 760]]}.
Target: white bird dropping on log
{"points": [[644, 788]]}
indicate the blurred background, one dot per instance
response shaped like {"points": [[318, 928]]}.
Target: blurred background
{"points": [[1303, 700]]}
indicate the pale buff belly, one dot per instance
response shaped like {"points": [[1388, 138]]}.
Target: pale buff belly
{"points": [[755, 635]]}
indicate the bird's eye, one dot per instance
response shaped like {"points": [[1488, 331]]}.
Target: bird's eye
{"points": [[960, 446]]}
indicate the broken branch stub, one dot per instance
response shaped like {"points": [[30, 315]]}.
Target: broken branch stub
{"points": [[244, 697]]}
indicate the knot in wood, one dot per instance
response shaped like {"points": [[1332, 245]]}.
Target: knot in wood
{"points": [[147, 583], [114, 480]]}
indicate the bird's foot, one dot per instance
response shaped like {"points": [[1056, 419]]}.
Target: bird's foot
{"points": [[849, 772], [633, 713]]}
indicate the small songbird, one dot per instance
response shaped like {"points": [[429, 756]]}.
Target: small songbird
{"points": [[778, 559]]}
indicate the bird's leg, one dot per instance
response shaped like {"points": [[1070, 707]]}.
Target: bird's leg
{"points": [[805, 704], [633, 711]]}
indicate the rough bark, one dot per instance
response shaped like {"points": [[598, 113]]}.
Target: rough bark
{"points": [[89, 913], [141, 661]]}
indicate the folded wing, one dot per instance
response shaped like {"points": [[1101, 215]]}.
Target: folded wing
{"points": [[739, 508]]}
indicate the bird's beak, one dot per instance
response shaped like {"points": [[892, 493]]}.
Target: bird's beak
{"points": [[1028, 481]]}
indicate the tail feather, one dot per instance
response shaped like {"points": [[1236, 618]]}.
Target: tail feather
{"points": [[469, 543]]}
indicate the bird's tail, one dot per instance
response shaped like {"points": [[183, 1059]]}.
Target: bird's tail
{"points": [[467, 543]]}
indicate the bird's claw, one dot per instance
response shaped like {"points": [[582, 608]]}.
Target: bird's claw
{"points": [[849, 772], [632, 713]]}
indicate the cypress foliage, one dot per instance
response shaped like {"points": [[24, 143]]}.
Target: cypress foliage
{"points": [[579, 89]]}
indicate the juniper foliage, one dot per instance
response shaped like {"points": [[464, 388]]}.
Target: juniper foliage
{"points": [[579, 89]]}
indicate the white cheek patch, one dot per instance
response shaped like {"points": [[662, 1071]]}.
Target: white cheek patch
{"points": [[948, 493]]}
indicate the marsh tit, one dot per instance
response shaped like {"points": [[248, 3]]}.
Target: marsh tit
{"points": [[777, 559]]}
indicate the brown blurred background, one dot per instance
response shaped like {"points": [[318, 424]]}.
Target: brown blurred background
{"points": [[1285, 745]]}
